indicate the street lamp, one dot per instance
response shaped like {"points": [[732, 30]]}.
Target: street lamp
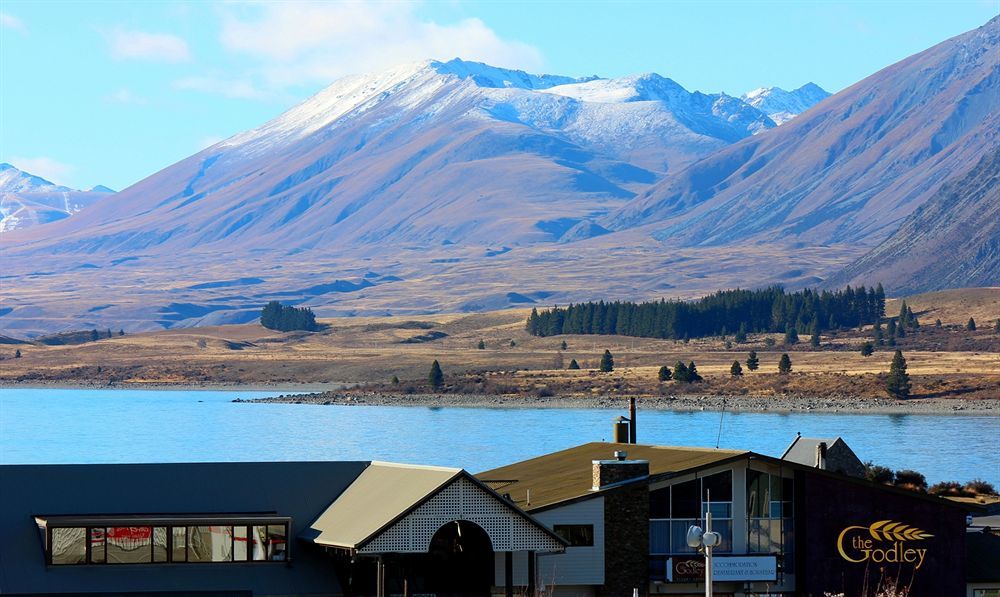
{"points": [[705, 540]]}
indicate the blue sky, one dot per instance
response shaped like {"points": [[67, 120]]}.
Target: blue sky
{"points": [[110, 92]]}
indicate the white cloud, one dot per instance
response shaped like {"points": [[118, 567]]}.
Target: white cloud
{"points": [[226, 87], [125, 96], [310, 42], [9, 21], [48, 168], [142, 45]]}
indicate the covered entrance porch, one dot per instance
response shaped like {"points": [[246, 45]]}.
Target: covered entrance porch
{"points": [[416, 530]]}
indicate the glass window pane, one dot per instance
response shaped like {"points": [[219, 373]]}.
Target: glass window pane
{"points": [[240, 544], [684, 500], [69, 546], [129, 545], [277, 548], [659, 536], [210, 544], [775, 511], [756, 481], [159, 544], [658, 568], [777, 488], [179, 553], [718, 509], [725, 530], [718, 487], [659, 503], [678, 535], [259, 539], [97, 546]]}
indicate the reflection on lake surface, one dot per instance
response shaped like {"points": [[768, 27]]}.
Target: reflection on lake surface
{"points": [[62, 426]]}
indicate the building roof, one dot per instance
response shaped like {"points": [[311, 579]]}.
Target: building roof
{"points": [[803, 449], [567, 475], [380, 495]]}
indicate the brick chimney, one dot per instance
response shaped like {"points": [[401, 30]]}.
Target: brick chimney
{"points": [[613, 472]]}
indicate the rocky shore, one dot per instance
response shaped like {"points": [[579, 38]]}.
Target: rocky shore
{"points": [[686, 403]]}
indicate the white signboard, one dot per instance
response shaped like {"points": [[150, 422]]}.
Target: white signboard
{"points": [[729, 568]]}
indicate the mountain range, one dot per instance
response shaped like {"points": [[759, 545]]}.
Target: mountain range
{"points": [[454, 185], [27, 200]]}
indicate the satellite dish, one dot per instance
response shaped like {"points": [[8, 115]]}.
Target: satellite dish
{"points": [[694, 536]]}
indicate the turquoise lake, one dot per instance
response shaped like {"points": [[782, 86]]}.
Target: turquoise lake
{"points": [[105, 426]]}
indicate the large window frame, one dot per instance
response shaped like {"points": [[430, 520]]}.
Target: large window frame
{"points": [[667, 534], [770, 516], [266, 536]]}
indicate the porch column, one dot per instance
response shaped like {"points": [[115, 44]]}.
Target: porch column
{"points": [[531, 574], [508, 573]]}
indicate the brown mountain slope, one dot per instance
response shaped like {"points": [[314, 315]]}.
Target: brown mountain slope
{"points": [[952, 240], [848, 170]]}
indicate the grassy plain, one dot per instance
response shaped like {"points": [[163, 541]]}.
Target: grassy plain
{"points": [[945, 362]]}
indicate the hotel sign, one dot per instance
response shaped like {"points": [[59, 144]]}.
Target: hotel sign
{"points": [[883, 541], [724, 568]]}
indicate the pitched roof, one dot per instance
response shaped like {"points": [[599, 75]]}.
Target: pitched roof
{"points": [[803, 449], [379, 496], [563, 476]]}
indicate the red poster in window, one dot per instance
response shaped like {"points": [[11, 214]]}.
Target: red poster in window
{"points": [[132, 533]]}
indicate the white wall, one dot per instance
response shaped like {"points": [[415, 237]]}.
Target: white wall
{"points": [[578, 565]]}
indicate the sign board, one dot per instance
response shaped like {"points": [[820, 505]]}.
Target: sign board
{"points": [[724, 568]]}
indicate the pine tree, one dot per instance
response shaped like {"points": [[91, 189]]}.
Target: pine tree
{"points": [[121, 332], [664, 373], [482, 345], [741, 335], [877, 333], [532, 326], [436, 376], [736, 370], [17, 353], [109, 333], [513, 344], [607, 362], [791, 335], [867, 349], [971, 326], [752, 361], [692, 374], [937, 323], [94, 335], [904, 319], [785, 364], [898, 383], [879, 301], [563, 345], [395, 380], [681, 372], [573, 364], [891, 329], [814, 338]]}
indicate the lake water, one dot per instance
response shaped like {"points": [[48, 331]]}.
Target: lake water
{"points": [[91, 426]]}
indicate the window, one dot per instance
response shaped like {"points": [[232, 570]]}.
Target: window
{"points": [[578, 535], [674, 509], [118, 545], [770, 523]]}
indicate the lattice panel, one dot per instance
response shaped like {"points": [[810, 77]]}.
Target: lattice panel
{"points": [[462, 500]]}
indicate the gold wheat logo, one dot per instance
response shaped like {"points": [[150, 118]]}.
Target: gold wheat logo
{"points": [[887, 530]]}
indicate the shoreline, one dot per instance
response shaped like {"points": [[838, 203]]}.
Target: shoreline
{"points": [[333, 394], [680, 403]]}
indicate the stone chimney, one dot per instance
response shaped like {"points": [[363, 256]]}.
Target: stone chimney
{"points": [[613, 472], [821, 455]]}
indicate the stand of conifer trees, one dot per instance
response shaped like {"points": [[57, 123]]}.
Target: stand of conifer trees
{"points": [[728, 311], [275, 316]]}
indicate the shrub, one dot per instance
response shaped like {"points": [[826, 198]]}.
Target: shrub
{"points": [[785, 364], [481, 345], [769, 341], [952, 488], [735, 370], [911, 479], [879, 474], [867, 349], [607, 362], [436, 377], [573, 364], [664, 373], [980, 487], [971, 325]]}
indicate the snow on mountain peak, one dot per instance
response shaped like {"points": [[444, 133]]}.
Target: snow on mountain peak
{"points": [[783, 105], [485, 75], [13, 180]]}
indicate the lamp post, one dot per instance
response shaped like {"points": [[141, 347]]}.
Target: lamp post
{"points": [[705, 540]]}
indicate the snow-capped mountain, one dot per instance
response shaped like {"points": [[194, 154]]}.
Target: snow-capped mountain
{"points": [[783, 105], [27, 200]]}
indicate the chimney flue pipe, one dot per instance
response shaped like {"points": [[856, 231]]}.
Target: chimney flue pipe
{"points": [[631, 418]]}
